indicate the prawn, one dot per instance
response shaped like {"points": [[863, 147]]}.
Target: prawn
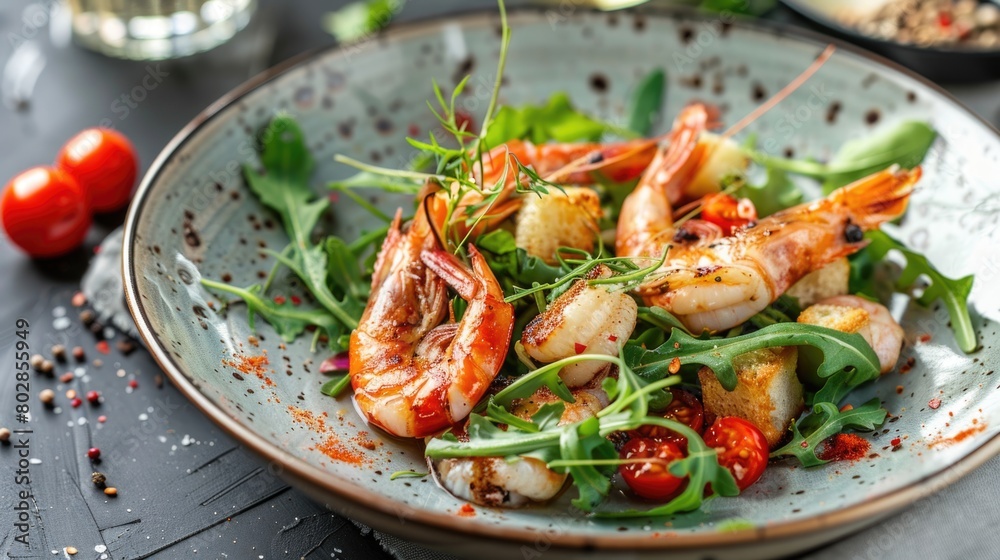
{"points": [[412, 374], [712, 282]]}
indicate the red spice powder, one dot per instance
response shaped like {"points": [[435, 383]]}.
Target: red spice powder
{"points": [[316, 423], [960, 436], [332, 448], [466, 511], [845, 447], [252, 365]]}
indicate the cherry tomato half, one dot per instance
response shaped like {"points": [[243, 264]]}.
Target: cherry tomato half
{"points": [[45, 212], [742, 448], [684, 408], [651, 480], [104, 163], [727, 212]]}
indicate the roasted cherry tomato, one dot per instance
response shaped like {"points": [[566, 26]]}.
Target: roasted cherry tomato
{"points": [[651, 480], [742, 448], [684, 408], [45, 212], [103, 161], [727, 212]]}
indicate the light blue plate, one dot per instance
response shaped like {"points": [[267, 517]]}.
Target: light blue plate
{"points": [[194, 216]]}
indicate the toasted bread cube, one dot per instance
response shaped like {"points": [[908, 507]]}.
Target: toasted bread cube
{"points": [[561, 218], [768, 393], [831, 280]]}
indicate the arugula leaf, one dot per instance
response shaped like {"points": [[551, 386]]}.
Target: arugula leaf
{"points": [[506, 259], [776, 194], [336, 385], [825, 421], [288, 320], [646, 102], [285, 189], [954, 293], [745, 7], [556, 120], [841, 352], [905, 145], [357, 20], [583, 442]]}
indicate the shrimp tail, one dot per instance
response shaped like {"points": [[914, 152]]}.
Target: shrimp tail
{"points": [[878, 198]]}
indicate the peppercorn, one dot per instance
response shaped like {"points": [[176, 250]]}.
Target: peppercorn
{"points": [[4, 436], [93, 453], [87, 317], [46, 367], [76, 402], [93, 397], [36, 362], [59, 353], [111, 491], [47, 396], [78, 354], [98, 479]]}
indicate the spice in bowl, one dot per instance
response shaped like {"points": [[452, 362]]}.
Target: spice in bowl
{"points": [[931, 23]]}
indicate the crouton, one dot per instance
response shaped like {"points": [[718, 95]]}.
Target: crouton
{"points": [[725, 158], [853, 314], [558, 219], [768, 394], [831, 280]]}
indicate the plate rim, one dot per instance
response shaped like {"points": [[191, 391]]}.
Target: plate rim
{"points": [[301, 471]]}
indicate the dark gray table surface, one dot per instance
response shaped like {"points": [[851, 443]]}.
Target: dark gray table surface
{"points": [[187, 490]]}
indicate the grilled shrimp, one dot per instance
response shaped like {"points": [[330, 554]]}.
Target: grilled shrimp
{"points": [[574, 163], [881, 330], [499, 481], [566, 218], [413, 375], [587, 318], [714, 282]]}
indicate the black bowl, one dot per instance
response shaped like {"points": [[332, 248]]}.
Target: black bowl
{"points": [[941, 64]]}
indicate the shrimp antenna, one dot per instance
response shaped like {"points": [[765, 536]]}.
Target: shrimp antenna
{"points": [[434, 228], [783, 93]]}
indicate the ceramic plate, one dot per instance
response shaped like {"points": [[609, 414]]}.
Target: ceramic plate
{"points": [[193, 217]]}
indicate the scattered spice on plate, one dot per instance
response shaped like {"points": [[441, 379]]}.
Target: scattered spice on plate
{"points": [[845, 447], [103, 347], [466, 511], [47, 396], [332, 448], [252, 365]]}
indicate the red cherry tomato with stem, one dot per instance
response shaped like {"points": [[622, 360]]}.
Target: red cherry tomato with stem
{"points": [[742, 448], [727, 212], [651, 479], [104, 162], [45, 212]]}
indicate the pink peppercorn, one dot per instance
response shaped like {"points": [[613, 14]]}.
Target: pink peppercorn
{"points": [[94, 453]]}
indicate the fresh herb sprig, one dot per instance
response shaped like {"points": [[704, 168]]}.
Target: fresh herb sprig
{"points": [[827, 420], [953, 292], [842, 353], [582, 448], [284, 188]]}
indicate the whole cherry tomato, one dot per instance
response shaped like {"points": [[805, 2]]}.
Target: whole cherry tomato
{"points": [[727, 212], [105, 164], [742, 448], [685, 408], [45, 212], [653, 479]]}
